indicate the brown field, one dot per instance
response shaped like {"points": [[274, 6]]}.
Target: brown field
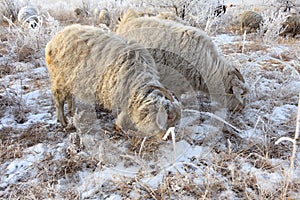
{"points": [[236, 158]]}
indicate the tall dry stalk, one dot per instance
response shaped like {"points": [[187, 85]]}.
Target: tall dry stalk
{"points": [[294, 151]]}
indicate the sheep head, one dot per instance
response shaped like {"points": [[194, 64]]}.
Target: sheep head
{"points": [[153, 110]]}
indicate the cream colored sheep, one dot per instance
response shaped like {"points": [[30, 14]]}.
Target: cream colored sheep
{"points": [[102, 16], [28, 14], [186, 56], [250, 21], [98, 66]]}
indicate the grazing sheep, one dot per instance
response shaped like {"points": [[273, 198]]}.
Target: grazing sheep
{"points": [[188, 52], [98, 66], [287, 6], [250, 21], [28, 15], [102, 15], [291, 25]]}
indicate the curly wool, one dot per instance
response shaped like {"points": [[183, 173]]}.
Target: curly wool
{"points": [[98, 66], [186, 56]]}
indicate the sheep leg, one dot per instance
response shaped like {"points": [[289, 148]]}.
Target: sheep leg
{"points": [[71, 105], [60, 112], [101, 112], [123, 123]]}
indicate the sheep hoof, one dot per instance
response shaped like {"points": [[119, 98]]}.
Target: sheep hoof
{"points": [[119, 130], [101, 112], [62, 122]]}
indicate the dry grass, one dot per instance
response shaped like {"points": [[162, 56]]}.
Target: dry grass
{"points": [[15, 141], [9, 9], [235, 166]]}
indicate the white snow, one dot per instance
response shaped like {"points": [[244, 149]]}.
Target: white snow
{"points": [[270, 111]]}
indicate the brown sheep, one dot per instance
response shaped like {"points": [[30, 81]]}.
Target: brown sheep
{"points": [[250, 21], [291, 26]]}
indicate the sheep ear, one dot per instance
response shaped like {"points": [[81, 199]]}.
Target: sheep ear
{"points": [[239, 75], [238, 93], [161, 118]]}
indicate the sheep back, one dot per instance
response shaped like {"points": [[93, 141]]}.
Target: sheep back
{"points": [[170, 16], [98, 66], [190, 53]]}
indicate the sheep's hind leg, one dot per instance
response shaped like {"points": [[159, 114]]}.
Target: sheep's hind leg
{"points": [[71, 105], [105, 117], [60, 113]]}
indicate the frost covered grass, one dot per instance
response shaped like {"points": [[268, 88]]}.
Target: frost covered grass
{"points": [[250, 156]]}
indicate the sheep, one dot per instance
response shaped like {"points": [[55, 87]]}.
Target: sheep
{"points": [[291, 25], [93, 65], [28, 14], [221, 9], [250, 21], [80, 13], [102, 15], [190, 53]]}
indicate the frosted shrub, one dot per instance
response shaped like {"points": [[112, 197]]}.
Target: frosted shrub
{"points": [[9, 9], [271, 26], [33, 39]]}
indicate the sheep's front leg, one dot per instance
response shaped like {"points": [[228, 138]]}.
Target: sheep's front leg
{"points": [[101, 112], [60, 112], [123, 123]]}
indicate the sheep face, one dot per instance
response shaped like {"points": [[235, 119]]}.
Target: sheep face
{"points": [[154, 110], [28, 15]]}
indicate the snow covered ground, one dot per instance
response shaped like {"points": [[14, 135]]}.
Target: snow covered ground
{"points": [[235, 159]]}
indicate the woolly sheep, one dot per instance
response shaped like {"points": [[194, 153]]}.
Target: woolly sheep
{"points": [[102, 15], [98, 66], [28, 14], [250, 21], [291, 25], [190, 53]]}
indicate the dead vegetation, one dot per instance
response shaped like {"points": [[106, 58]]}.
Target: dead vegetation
{"points": [[39, 160]]}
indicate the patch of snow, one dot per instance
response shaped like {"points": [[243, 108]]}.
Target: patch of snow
{"points": [[283, 114], [224, 39], [114, 197], [18, 169]]}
